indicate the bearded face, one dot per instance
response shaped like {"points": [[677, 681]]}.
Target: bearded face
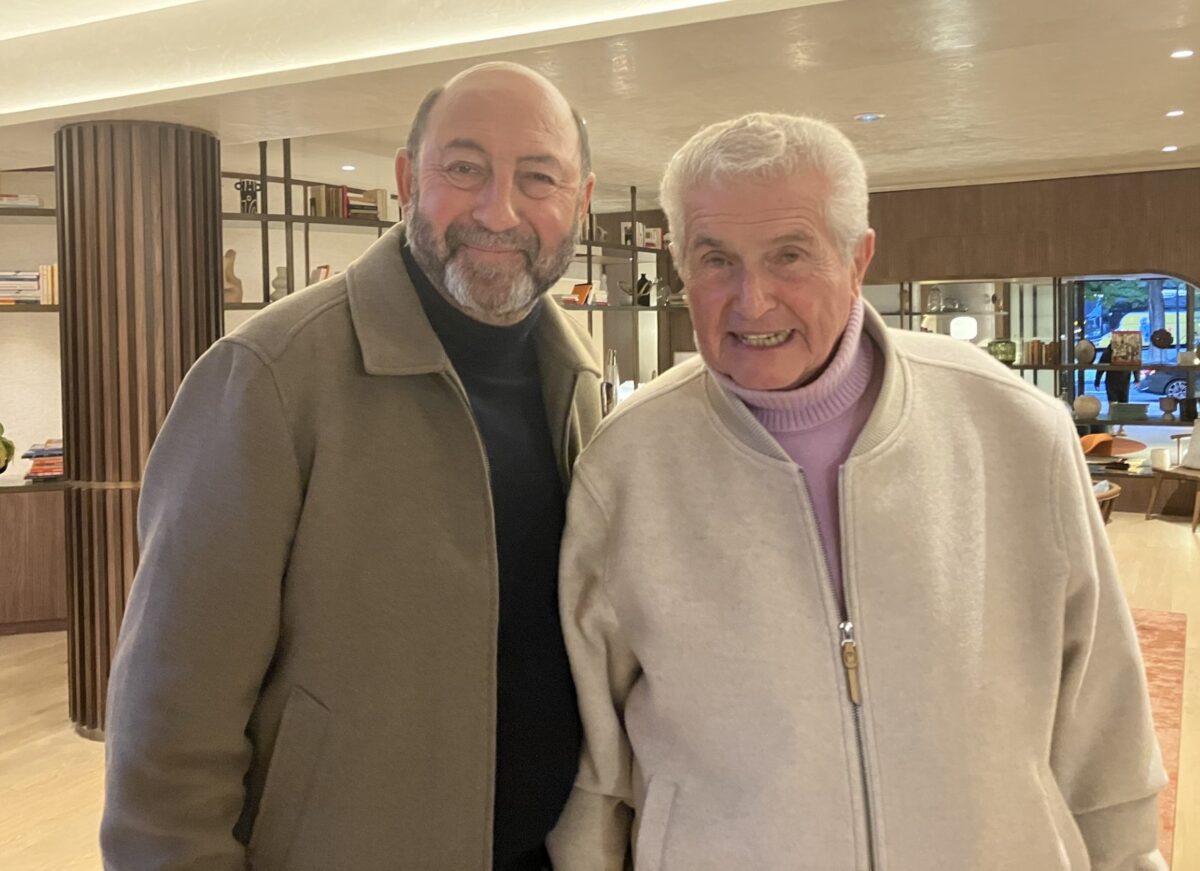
{"points": [[496, 277]]}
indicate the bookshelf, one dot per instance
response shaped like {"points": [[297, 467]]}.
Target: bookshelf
{"points": [[279, 235], [22, 308]]}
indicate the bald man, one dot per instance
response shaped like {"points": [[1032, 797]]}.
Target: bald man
{"points": [[342, 648]]}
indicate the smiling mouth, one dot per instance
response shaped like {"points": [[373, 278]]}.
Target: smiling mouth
{"points": [[763, 340], [495, 250]]}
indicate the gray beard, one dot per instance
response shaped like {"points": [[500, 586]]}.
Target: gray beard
{"points": [[461, 280], [486, 293]]}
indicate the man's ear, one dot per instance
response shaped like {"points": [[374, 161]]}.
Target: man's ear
{"points": [[404, 177], [585, 201], [863, 254]]}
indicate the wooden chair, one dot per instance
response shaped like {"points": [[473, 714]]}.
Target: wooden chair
{"points": [[1176, 473], [1107, 500]]}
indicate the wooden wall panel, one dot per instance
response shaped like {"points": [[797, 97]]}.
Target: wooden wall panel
{"points": [[1097, 225], [33, 577], [140, 260]]}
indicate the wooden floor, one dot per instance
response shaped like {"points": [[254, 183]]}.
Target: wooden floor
{"points": [[51, 780]]}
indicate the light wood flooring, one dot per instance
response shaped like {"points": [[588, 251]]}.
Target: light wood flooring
{"points": [[51, 779]]}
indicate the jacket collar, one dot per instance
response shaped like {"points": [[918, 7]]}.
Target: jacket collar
{"points": [[885, 417], [395, 336]]}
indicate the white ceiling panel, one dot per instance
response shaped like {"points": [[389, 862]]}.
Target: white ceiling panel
{"points": [[972, 90]]}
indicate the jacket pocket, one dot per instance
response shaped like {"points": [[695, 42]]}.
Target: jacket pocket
{"points": [[289, 777], [653, 820], [1072, 851]]}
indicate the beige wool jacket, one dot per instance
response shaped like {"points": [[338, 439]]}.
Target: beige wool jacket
{"points": [[1003, 720], [305, 678]]}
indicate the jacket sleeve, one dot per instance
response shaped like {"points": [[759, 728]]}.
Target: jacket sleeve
{"points": [[220, 498], [1105, 755], [593, 832]]}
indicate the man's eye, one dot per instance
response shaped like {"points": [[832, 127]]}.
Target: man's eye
{"points": [[463, 175], [537, 184]]}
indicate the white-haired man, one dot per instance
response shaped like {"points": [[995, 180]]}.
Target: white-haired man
{"points": [[883, 628]]}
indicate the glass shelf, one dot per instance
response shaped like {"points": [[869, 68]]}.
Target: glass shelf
{"points": [[15, 212], [1150, 421], [612, 308], [962, 314], [1103, 367], [255, 217]]}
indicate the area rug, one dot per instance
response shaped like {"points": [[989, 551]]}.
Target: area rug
{"points": [[1163, 636]]}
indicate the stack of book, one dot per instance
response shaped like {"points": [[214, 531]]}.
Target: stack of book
{"points": [[20, 287], [20, 201], [336, 201], [369, 205], [47, 461]]}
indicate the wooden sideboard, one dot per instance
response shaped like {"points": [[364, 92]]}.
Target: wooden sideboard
{"points": [[33, 558]]}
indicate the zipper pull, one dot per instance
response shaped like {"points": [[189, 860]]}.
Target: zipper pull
{"points": [[850, 661]]}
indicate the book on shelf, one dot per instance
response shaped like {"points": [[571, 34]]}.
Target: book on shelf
{"points": [[48, 448], [20, 201], [337, 201], [315, 195], [46, 469], [327, 201], [47, 461], [48, 283], [370, 205], [20, 287], [37, 288]]}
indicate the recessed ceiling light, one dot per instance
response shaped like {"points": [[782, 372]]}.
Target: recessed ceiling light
{"points": [[1170, 148], [1182, 53], [348, 168], [869, 116], [1174, 113]]}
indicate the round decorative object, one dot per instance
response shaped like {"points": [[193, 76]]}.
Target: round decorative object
{"points": [[1168, 404], [1004, 350], [1162, 339], [1085, 352], [1086, 407]]}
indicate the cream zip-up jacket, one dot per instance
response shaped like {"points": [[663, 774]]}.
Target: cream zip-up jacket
{"points": [[977, 702]]}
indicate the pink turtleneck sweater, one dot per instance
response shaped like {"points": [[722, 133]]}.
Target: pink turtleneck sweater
{"points": [[818, 423]]}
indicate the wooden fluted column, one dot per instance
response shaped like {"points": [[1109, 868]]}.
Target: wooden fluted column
{"points": [[139, 250]]}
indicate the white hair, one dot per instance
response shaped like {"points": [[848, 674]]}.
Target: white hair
{"points": [[770, 145]]}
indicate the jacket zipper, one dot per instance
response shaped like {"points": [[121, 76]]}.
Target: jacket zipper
{"points": [[848, 651], [850, 662]]}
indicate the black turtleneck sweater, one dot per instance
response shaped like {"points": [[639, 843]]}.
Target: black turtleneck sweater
{"points": [[538, 733]]}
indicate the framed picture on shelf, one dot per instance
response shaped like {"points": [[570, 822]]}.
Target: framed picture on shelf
{"points": [[1127, 348], [633, 236]]}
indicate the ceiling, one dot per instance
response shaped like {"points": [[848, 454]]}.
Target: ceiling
{"points": [[972, 90]]}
